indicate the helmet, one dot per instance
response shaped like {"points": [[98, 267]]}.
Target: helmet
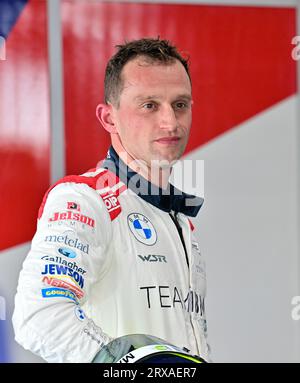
{"points": [[141, 348]]}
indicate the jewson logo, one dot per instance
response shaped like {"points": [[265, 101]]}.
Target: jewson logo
{"points": [[2, 308], [2, 48]]}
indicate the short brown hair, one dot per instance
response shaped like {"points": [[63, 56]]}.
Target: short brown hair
{"points": [[156, 50]]}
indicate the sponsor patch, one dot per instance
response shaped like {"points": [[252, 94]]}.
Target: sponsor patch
{"points": [[52, 281], [153, 258], [112, 204], [79, 314], [73, 206], [67, 252], [69, 240], [61, 261], [56, 292], [71, 216], [142, 229], [56, 270]]}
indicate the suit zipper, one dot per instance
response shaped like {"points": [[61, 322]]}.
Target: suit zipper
{"points": [[179, 230]]}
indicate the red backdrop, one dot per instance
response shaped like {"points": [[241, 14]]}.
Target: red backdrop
{"points": [[240, 63], [24, 125]]}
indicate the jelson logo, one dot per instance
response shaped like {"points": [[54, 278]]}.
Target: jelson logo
{"points": [[71, 216]]}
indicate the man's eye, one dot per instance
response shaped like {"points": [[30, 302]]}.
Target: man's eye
{"points": [[181, 105], [149, 105]]}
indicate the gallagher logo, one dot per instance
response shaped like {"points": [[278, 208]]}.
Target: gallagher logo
{"points": [[142, 229], [71, 216]]}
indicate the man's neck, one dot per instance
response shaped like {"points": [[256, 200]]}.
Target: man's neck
{"points": [[155, 175], [161, 194]]}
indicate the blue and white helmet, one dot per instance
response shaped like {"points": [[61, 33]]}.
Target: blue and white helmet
{"points": [[141, 348]]}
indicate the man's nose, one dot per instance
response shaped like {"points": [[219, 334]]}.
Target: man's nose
{"points": [[168, 120]]}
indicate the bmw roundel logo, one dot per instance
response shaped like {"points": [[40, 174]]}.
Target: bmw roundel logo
{"points": [[67, 252], [79, 313], [142, 228]]}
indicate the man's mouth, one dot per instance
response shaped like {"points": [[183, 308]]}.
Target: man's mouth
{"points": [[168, 140]]}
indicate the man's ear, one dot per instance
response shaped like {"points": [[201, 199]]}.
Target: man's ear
{"points": [[104, 115]]}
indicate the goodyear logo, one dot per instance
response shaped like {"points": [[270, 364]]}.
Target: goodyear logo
{"points": [[54, 293]]}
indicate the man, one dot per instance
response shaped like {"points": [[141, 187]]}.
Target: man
{"points": [[114, 253]]}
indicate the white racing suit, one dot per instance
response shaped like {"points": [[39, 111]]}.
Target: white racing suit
{"points": [[107, 261]]}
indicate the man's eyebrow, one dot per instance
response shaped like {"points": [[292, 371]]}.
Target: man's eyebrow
{"points": [[186, 96], [145, 98]]}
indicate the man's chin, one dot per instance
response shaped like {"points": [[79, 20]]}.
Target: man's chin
{"points": [[164, 162]]}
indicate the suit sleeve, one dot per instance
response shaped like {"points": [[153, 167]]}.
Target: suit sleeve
{"points": [[67, 257]]}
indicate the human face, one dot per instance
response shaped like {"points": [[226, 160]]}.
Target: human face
{"points": [[153, 118]]}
